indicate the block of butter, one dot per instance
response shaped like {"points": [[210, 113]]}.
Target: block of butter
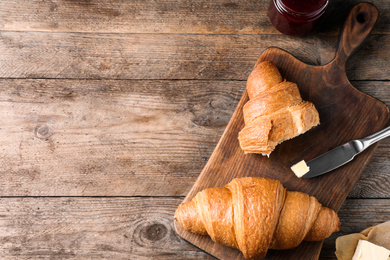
{"points": [[300, 169], [368, 251]]}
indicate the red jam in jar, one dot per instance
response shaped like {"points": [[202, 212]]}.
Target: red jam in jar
{"points": [[296, 17]]}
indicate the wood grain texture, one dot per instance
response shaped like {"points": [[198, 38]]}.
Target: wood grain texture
{"points": [[124, 228], [90, 228], [151, 16], [130, 98], [340, 107], [176, 56], [76, 138], [149, 131]]}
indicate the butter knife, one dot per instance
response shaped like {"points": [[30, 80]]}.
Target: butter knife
{"points": [[342, 154]]}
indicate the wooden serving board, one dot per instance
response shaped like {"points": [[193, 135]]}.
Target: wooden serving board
{"points": [[345, 114]]}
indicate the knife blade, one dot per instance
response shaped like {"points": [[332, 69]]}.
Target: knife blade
{"points": [[342, 154]]}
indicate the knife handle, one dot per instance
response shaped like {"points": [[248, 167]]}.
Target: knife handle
{"points": [[371, 139], [356, 28]]}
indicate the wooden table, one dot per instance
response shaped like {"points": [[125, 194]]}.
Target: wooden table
{"points": [[110, 110]]}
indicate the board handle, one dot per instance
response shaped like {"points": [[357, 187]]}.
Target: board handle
{"points": [[356, 28]]}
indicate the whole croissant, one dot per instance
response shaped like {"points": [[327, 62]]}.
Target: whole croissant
{"points": [[256, 214], [275, 111]]}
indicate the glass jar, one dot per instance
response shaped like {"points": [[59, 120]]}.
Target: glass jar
{"points": [[296, 17]]}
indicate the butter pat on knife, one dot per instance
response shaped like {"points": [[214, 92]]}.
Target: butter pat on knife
{"points": [[368, 251], [300, 169]]}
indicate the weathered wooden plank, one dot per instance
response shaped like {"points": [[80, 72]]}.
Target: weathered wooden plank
{"points": [[127, 137], [72, 137], [170, 56], [125, 228], [91, 228], [151, 16], [375, 182]]}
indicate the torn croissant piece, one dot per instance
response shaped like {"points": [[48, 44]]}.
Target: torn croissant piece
{"points": [[256, 214], [275, 111], [266, 132]]}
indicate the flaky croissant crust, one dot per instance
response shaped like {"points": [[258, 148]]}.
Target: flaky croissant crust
{"points": [[256, 214], [275, 112]]}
